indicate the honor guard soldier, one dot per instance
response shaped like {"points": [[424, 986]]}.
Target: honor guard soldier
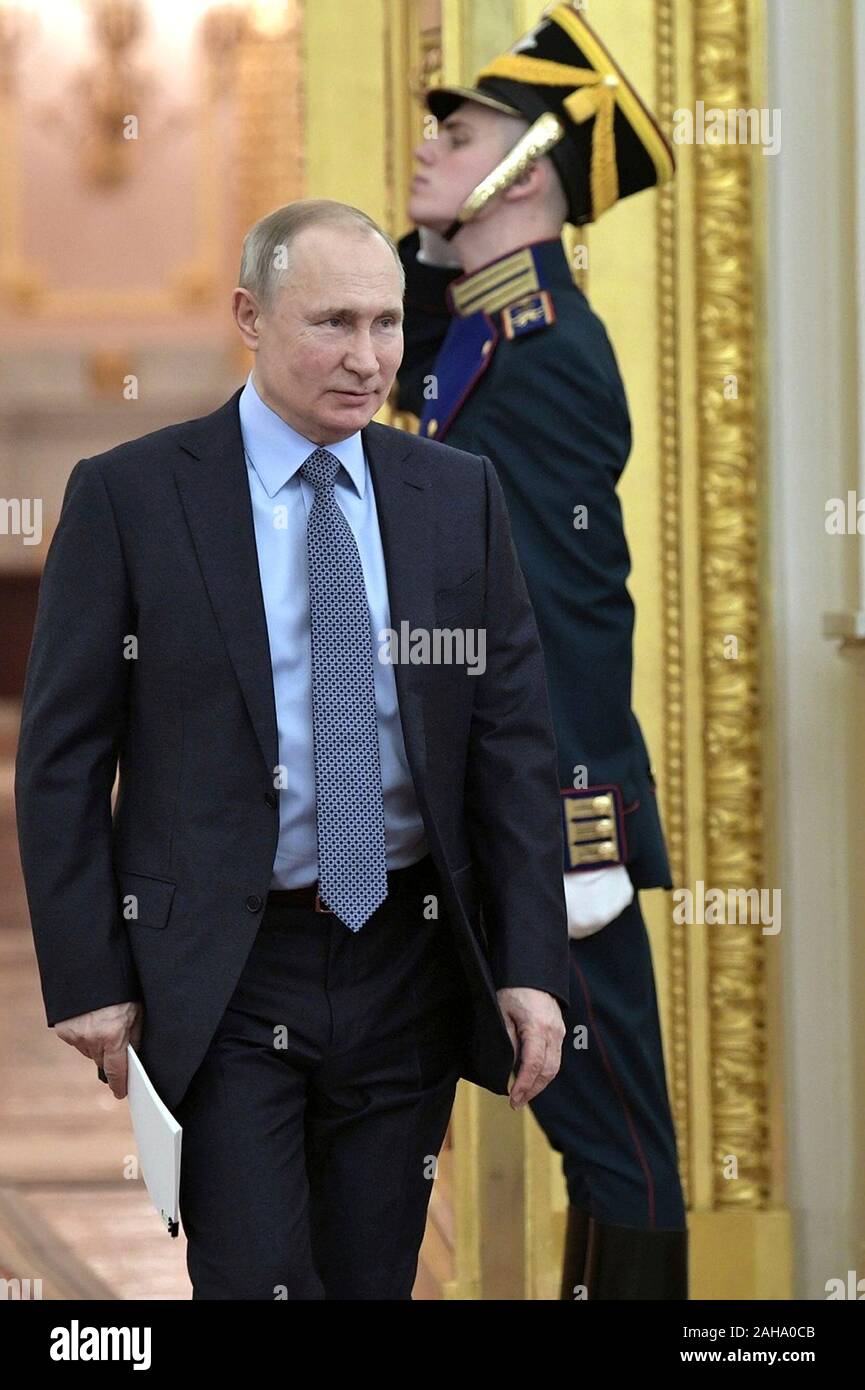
{"points": [[505, 357]]}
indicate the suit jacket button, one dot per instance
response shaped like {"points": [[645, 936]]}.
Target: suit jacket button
{"points": [[271, 798], [253, 903]]}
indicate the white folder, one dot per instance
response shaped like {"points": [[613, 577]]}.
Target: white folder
{"points": [[158, 1136]]}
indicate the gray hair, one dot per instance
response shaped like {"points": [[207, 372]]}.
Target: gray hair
{"points": [[264, 260]]}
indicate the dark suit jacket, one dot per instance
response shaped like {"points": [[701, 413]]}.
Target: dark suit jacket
{"points": [[150, 649]]}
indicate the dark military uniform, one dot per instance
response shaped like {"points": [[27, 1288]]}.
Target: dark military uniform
{"points": [[511, 362]]}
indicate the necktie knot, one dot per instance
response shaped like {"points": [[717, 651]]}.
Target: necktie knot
{"points": [[321, 469]]}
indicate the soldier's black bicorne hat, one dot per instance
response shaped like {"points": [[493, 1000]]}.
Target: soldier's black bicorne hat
{"points": [[611, 147]]}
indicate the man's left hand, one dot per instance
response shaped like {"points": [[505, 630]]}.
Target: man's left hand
{"points": [[536, 1029]]}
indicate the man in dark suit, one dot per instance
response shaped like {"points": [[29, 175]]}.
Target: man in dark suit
{"points": [[282, 911], [508, 358]]}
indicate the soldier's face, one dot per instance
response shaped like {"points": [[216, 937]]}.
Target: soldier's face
{"points": [[328, 350], [467, 146]]}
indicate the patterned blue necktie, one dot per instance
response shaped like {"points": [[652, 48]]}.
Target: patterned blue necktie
{"points": [[352, 861]]}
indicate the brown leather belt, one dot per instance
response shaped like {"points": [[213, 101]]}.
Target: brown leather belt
{"points": [[398, 881]]}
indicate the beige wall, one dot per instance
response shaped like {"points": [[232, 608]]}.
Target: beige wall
{"points": [[102, 279]]}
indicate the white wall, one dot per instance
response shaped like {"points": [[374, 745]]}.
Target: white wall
{"points": [[819, 693]]}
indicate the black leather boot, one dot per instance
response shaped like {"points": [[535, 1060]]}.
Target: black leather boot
{"points": [[574, 1262], [625, 1262]]}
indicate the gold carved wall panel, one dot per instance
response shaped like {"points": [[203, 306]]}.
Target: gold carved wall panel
{"points": [[675, 274]]}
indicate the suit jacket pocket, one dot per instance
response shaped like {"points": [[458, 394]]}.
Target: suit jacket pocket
{"points": [[144, 900], [459, 596], [471, 581]]}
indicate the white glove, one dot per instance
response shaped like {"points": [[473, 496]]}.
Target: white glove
{"points": [[434, 250], [595, 897]]}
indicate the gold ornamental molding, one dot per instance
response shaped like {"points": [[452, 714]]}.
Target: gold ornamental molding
{"points": [[671, 531], [698, 555], [412, 62], [270, 101], [730, 593], [269, 84]]}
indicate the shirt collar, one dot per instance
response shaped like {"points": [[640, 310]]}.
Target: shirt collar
{"points": [[538, 266], [276, 450]]}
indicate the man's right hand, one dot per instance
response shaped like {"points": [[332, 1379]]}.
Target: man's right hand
{"points": [[103, 1035]]}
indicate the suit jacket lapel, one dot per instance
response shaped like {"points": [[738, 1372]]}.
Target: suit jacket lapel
{"points": [[214, 490], [404, 505]]}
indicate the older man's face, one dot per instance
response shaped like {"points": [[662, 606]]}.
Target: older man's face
{"points": [[328, 350]]}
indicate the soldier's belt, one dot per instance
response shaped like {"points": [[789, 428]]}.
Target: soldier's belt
{"points": [[593, 824]]}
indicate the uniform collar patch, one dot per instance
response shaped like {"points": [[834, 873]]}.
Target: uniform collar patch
{"points": [[531, 312]]}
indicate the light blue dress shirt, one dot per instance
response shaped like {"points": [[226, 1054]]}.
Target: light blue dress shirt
{"points": [[281, 502]]}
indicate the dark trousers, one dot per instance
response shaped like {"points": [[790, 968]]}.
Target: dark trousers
{"points": [[311, 1130], [607, 1111]]}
